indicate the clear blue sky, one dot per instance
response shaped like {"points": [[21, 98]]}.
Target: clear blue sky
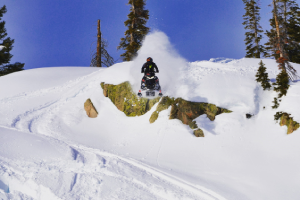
{"points": [[51, 33]]}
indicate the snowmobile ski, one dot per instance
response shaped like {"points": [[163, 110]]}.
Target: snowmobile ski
{"points": [[139, 93]]}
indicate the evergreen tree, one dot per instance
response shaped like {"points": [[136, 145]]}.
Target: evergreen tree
{"points": [[136, 31], [293, 31], [253, 36], [276, 33], [262, 76], [6, 45], [282, 83], [279, 38], [276, 104], [288, 17], [270, 45]]}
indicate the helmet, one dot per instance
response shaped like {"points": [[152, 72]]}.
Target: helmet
{"points": [[149, 59]]}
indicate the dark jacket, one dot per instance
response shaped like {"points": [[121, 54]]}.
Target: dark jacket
{"points": [[149, 67]]}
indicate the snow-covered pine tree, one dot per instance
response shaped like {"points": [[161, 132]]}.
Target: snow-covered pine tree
{"points": [[6, 45], [262, 76], [136, 31], [252, 17]]}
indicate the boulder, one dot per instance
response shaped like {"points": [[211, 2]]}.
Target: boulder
{"points": [[90, 109], [286, 120], [248, 116], [126, 100], [198, 133]]}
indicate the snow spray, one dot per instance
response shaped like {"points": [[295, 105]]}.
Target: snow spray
{"points": [[157, 46]]}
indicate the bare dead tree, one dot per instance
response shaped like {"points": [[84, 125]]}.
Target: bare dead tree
{"points": [[101, 56], [106, 59], [99, 45]]}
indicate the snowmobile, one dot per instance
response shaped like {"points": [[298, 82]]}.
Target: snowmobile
{"points": [[150, 84]]}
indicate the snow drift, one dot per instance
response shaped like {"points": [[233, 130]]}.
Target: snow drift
{"points": [[50, 149]]}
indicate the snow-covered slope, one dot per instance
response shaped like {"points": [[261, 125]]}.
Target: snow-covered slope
{"points": [[50, 149]]}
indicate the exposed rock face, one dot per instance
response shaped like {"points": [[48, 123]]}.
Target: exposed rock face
{"points": [[288, 121], [187, 111], [126, 100], [90, 109], [164, 104]]}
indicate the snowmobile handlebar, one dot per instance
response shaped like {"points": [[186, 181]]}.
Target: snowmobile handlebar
{"points": [[150, 72]]}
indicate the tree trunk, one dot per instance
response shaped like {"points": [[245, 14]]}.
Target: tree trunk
{"points": [[99, 45], [277, 29], [285, 22], [256, 33], [133, 23]]}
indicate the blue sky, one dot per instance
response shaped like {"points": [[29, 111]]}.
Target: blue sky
{"points": [[51, 33]]}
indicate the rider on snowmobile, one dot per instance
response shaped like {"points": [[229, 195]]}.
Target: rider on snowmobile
{"points": [[150, 81], [149, 66], [149, 69]]}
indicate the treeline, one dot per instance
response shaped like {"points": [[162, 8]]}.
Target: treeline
{"points": [[283, 38]]}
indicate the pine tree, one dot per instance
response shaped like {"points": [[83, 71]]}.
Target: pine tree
{"points": [[293, 31], [288, 15], [253, 36], [276, 104], [262, 76], [276, 33], [136, 31], [6, 45], [282, 83], [270, 45], [279, 41]]}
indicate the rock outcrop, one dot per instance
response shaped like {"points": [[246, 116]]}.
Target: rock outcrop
{"points": [[90, 109], [286, 120], [164, 104], [126, 100], [187, 111]]}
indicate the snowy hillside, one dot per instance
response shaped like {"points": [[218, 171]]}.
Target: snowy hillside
{"points": [[50, 149]]}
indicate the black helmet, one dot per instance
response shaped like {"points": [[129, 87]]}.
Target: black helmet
{"points": [[149, 59]]}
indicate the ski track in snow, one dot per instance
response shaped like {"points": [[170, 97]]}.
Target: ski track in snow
{"points": [[90, 173], [87, 174], [84, 176], [29, 120]]}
